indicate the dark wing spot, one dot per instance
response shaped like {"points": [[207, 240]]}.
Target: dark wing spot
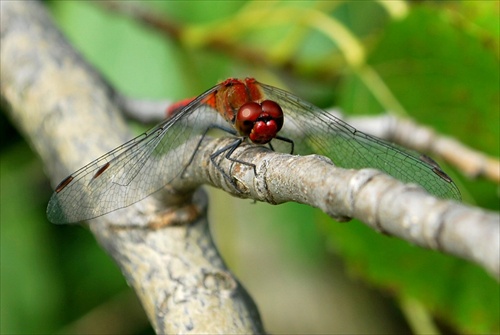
{"points": [[442, 174], [64, 183], [101, 170]]}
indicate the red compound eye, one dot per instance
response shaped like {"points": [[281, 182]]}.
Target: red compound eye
{"points": [[246, 117], [275, 112], [260, 122]]}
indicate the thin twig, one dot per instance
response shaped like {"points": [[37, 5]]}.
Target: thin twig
{"points": [[409, 134], [177, 32], [471, 162], [404, 132]]}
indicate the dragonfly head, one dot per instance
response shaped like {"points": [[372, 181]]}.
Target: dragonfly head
{"points": [[260, 122]]}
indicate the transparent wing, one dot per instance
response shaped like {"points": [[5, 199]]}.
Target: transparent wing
{"points": [[134, 170], [324, 134]]}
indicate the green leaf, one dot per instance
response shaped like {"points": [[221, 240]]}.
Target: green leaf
{"points": [[444, 75], [457, 291], [30, 285]]}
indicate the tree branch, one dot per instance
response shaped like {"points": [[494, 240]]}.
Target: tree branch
{"points": [[409, 134], [68, 113], [163, 245], [404, 132], [380, 201]]}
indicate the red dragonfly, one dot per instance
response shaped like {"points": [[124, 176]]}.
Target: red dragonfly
{"points": [[251, 110]]}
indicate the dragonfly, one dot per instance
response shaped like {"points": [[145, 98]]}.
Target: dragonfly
{"points": [[251, 111]]}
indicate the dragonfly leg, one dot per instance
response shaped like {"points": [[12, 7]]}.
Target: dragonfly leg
{"points": [[284, 139], [228, 130], [229, 149], [230, 152]]}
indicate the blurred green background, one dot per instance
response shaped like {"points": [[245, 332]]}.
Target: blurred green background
{"points": [[436, 62]]}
